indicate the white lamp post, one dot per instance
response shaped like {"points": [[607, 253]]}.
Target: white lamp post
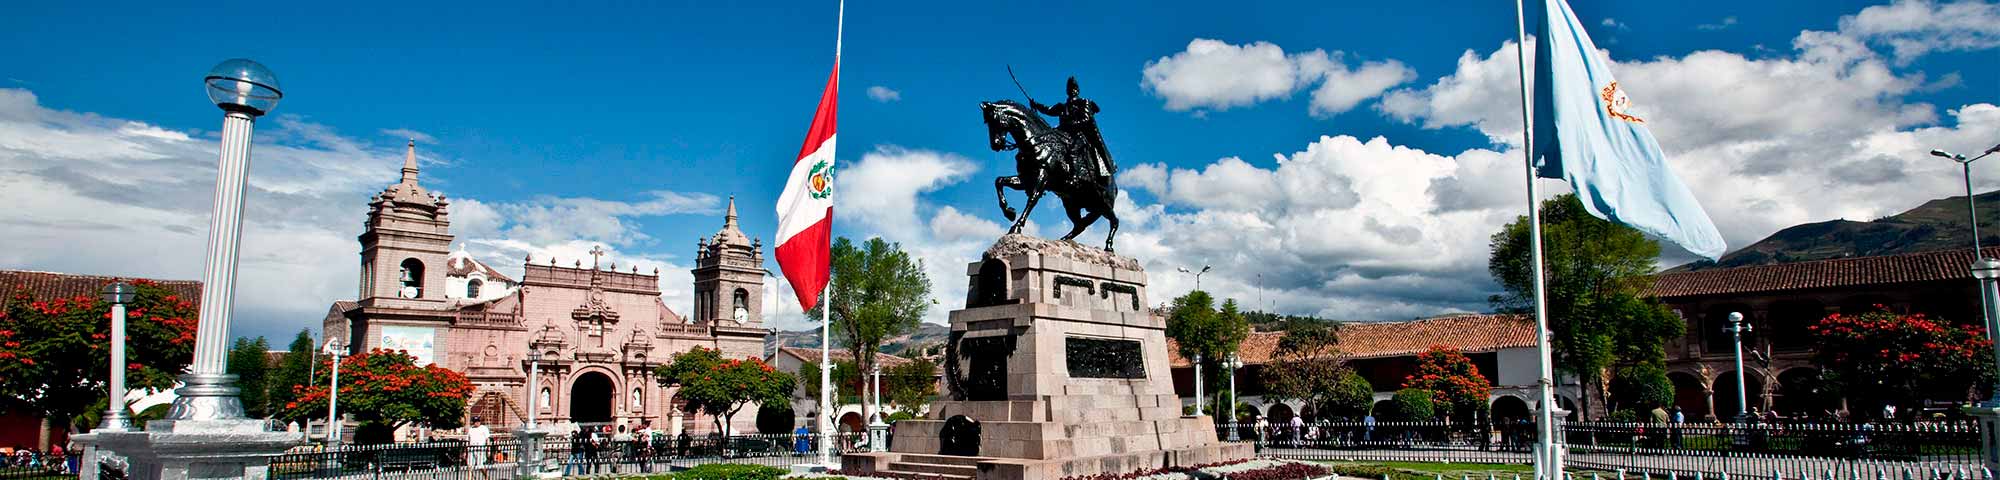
{"points": [[1972, 213], [244, 90], [534, 386], [333, 347], [117, 294], [1233, 363], [1197, 384], [1736, 329], [1197, 274], [878, 430]]}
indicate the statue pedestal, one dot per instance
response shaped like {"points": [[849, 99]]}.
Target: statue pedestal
{"points": [[188, 449], [1056, 368]]}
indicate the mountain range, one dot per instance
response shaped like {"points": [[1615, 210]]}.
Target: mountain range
{"points": [[1935, 225]]}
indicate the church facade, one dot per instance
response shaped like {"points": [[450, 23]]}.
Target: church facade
{"points": [[594, 333]]}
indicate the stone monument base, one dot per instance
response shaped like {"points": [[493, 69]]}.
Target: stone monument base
{"points": [[188, 449], [1056, 368]]}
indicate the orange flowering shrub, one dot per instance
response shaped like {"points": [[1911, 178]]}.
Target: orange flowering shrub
{"points": [[386, 389], [721, 387], [1911, 355], [1451, 378], [55, 352]]}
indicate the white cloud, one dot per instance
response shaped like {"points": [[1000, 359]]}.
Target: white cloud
{"points": [[885, 183], [1912, 28], [1215, 75], [1723, 24], [1614, 23], [549, 220], [404, 133], [884, 94]]}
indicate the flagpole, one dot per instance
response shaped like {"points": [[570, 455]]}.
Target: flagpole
{"points": [[1549, 461], [826, 299]]}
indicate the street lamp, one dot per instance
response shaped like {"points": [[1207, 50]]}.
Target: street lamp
{"points": [[878, 430], [1987, 270], [1198, 397], [1232, 363], [117, 294], [1736, 329], [1972, 212], [534, 385], [1197, 275], [333, 347], [244, 90]]}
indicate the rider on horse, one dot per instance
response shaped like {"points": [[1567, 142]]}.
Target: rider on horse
{"points": [[1079, 119]]}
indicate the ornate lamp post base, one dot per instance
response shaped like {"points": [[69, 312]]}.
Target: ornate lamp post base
{"points": [[530, 455], [1989, 433]]}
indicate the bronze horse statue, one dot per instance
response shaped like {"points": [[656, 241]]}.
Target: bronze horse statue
{"points": [[1049, 160]]}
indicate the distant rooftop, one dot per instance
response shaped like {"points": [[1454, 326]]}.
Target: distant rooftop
{"points": [[1954, 264], [1470, 333]]}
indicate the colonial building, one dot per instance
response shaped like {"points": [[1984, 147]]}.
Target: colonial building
{"points": [[600, 331], [19, 429], [1502, 347], [1780, 301]]}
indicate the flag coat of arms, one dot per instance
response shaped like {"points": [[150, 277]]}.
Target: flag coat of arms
{"points": [[1592, 135], [805, 209]]}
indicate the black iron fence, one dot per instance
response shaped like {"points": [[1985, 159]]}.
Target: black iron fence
{"points": [[27, 464], [562, 454], [1742, 450]]}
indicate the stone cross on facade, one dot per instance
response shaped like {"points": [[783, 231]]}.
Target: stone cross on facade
{"points": [[595, 252]]}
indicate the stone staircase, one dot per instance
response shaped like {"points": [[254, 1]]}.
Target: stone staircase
{"points": [[941, 467]]}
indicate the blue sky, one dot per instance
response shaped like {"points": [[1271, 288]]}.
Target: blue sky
{"points": [[559, 127]]}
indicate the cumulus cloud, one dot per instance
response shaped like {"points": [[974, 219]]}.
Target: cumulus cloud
{"points": [[1912, 28], [885, 184], [1825, 132], [884, 94], [1215, 75]]}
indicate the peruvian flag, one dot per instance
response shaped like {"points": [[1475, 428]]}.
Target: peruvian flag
{"points": [[805, 210]]}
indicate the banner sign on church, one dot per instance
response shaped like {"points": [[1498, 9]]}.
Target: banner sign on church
{"points": [[415, 340]]}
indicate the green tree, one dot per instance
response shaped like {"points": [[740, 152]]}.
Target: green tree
{"points": [[721, 387], [250, 362], [1450, 376], [294, 372], [1412, 404], [68, 338], [846, 381], [1641, 387], [1595, 271], [911, 385], [879, 292], [385, 390], [1884, 356], [1307, 366], [1201, 331]]}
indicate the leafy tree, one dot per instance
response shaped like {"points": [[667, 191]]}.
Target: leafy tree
{"points": [[385, 390], [1199, 330], [1595, 272], [1276, 322], [846, 381], [249, 360], [911, 385], [1307, 366], [1456, 384], [1887, 356], [69, 338], [721, 387], [1641, 387], [1412, 404], [879, 292], [294, 372]]}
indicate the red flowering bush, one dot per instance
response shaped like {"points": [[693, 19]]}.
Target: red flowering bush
{"points": [[1288, 471], [43, 340], [720, 387], [1900, 357], [1154, 471], [384, 390], [1451, 378]]}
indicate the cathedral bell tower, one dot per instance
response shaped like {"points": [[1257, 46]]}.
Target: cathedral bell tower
{"points": [[404, 243], [729, 277]]}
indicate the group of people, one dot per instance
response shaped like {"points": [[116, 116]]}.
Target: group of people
{"points": [[611, 449], [55, 460]]}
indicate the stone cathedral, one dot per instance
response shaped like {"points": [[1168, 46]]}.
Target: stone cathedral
{"points": [[601, 331]]}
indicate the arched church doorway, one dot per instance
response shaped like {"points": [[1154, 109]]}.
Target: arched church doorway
{"points": [[590, 398]]}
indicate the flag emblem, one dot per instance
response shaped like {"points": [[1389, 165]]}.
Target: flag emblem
{"points": [[820, 182], [1617, 105]]}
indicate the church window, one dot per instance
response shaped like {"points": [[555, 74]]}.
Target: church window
{"points": [[412, 278], [472, 289], [741, 313]]}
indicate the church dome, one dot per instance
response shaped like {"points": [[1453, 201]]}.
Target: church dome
{"points": [[730, 234]]}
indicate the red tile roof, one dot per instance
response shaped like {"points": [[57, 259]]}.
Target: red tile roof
{"points": [[1935, 265], [48, 285], [1471, 333]]}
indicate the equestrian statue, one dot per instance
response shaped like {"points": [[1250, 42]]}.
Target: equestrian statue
{"points": [[1069, 160]]}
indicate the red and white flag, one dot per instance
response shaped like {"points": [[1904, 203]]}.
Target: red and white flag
{"points": [[805, 210]]}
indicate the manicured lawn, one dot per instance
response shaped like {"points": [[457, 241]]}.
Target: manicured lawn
{"points": [[1430, 471]]}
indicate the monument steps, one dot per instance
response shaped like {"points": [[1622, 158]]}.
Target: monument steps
{"points": [[957, 471]]}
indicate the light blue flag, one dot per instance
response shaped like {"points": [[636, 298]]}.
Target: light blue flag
{"points": [[1590, 134]]}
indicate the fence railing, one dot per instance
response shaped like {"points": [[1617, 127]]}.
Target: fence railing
{"points": [[1742, 450], [565, 455], [37, 465]]}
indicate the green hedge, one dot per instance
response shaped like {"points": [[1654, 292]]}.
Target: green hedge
{"points": [[730, 471]]}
